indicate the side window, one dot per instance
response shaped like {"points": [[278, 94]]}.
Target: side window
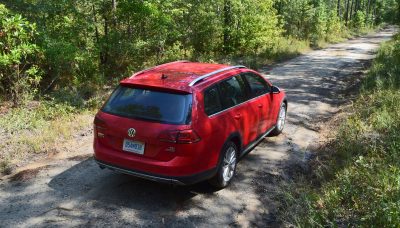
{"points": [[212, 103], [257, 85], [232, 92]]}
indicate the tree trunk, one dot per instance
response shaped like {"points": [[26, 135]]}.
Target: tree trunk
{"points": [[373, 12], [95, 25], [357, 8], [227, 26], [351, 9], [347, 11], [114, 12], [398, 11], [338, 8], [104, 48], [96, 33], [368, 7]]}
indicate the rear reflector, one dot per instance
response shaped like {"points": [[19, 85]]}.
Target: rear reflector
{"points": [[183, 136]]}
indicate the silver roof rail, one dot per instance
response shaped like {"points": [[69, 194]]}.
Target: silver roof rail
{"points": [[155, 67], [213, 73]]}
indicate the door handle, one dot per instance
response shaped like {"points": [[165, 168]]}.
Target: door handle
{"points": [[260, 105], [238, 116]]}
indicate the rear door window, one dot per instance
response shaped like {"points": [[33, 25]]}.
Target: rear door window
{"points": [[212, 103], [258, 86], [149, 105], [232, 92]]}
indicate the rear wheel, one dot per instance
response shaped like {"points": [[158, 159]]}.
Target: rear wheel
{"points": [[227, 166], [280, 123]]}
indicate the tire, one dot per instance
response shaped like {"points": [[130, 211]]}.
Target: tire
{"points": [[227, 166], [280, 121]]}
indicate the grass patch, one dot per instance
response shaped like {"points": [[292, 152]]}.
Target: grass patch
{"points": [[356, 179], [43, 126], [285, 49]]}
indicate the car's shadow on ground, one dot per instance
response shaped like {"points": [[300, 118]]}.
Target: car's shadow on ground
{"points": [[106, 192], [88, 180]]}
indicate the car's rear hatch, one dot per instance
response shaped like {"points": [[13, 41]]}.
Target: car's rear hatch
{"points": [[143, 122]]}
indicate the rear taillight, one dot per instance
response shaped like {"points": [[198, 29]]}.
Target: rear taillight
{"points": [[187, 136], [99, 124], [179, 136]]}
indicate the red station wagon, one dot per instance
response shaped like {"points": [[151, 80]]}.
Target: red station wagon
{"points": [[185, 122]]}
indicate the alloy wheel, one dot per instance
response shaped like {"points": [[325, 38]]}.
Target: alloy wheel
{"points": [[281, 117], [229, 164]]}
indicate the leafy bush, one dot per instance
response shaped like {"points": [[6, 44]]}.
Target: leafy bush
{"points": [[335, 29], [360, 21], [19, 75]]}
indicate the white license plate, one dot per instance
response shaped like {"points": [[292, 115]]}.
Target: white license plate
{"points": [[133, 146]]}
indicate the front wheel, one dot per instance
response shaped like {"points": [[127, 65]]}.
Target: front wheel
{"points": [[280, 123], [227, 166]]}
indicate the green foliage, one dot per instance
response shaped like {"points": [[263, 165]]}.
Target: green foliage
{"points": [[334, 26], [35, 117], [359, 181], [19, 75], [319, 23], [385, 73], [359, 22], [298, 18], [256, 28], [388, 11], [85, 45], [312, 20]]}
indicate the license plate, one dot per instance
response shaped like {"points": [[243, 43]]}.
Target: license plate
{"points": [[133, 146]]}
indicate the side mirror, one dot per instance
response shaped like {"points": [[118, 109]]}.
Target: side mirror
{"points": [[275, 90]]}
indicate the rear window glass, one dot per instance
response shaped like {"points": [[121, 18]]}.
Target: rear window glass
{"points": [[149, 105]]}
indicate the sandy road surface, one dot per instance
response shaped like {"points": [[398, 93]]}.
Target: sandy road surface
{"points": [[75, 192]]}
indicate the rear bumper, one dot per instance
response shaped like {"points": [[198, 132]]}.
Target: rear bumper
{"points": [[181, 180]]}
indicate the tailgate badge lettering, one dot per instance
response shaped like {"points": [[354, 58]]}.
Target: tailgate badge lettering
{"points": [[131, 132]]}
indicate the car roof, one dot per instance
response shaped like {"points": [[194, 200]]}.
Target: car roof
{"points": [[177, 76]]}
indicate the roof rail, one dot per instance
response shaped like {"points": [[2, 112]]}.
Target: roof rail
{"points": [[155, 67], [213, 73]]}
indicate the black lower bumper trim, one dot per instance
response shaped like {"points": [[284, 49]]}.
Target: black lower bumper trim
{"points": [[184, 180]]}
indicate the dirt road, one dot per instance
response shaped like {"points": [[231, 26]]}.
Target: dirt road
{"points": [[75, 192]]}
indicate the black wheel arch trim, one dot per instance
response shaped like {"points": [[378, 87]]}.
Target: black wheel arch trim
{"points": [[230, 139]]}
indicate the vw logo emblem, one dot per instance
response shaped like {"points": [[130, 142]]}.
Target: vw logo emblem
{"points": [[131, 132]]}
